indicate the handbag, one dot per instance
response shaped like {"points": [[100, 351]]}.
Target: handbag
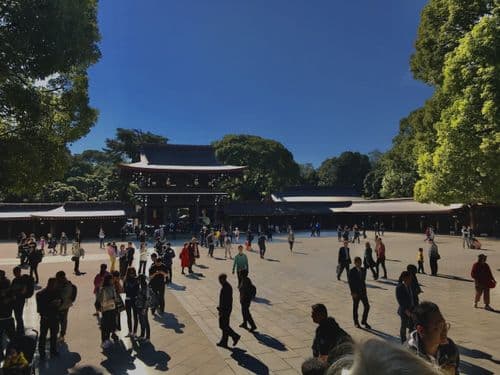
{"points": [[492, 284], [119, 305]]}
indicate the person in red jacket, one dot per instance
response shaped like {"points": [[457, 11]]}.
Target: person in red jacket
{"points": [[185, 258], [484, 281]]}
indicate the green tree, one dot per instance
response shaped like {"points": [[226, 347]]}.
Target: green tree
{"points": [[464, 166], [126, 144], [442, 24], [349, 169], [308, 175], [60, 192], [270, 165], [46, 48]]}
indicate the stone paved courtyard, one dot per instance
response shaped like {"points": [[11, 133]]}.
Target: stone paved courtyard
{"points": [[183, 341]]}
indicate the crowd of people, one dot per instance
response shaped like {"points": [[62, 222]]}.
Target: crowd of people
{"points": [[120, 288]]}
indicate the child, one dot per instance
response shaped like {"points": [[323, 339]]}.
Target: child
{"points": [[420, 260], [15, 362]]}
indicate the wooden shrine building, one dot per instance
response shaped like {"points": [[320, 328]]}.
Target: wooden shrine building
{"points": [[179, 184]]}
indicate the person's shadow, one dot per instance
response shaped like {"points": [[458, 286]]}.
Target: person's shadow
{"points": [[170, 321], [61, 364], [249, 362], [177, 287], [262, 300], [452, 277], [147, 354], [119, 359], [474, 353], [270, 341]]}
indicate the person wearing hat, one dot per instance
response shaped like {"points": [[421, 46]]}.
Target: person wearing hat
{"points": [[483, 280]]}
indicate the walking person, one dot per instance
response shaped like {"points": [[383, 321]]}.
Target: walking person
{"points": [[380, 251], [143, 259], [339, 233], [106, 302], [357, 284], [249, 240], [34, 259], [404, 296], [112, 256], [291, 238], [63, 244], [433, 257], [142, 304], [227, 247], [157, 276], [98, 281], [225, 308], [122, 260], [48, 302], [247, 294], [184, 257], [67, 291], [237, 235], [168, 256], [22, 287], [344, 260], [78, 253], [483, 280], [261, 242], [420, 260], [368, 261], [465, 236], [240, 264], [101, 238], [211, 243], [130, 254], [131, 289]]}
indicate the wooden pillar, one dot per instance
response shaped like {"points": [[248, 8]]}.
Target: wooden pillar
{"points": [[165, 198]]}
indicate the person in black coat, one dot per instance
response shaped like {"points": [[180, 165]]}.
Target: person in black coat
{"points": [[357, 284], [328, 335], [246, 295], [405, 298], [344, 259], [225, 307], [48, 302]]}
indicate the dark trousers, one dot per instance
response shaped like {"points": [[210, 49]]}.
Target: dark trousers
{"points": [[131, 313], [101, 243], [18, 313], [434, 266], [381, 262], [366, 308], [34, 270], [160, 293], [342, 266], [7, 328], [262, 251], [290, 243], [77, 265], [240, 276], [169, 269], [48, 324], [372, 268], [108, 324], [247, 317], [211, 250], [144, 320], [227, 331], [420, 267], [406, 324], [142, 267], [63, 321]]}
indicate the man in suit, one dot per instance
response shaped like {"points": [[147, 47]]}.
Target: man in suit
{"points": [[225, 307], [344, 260], [404, 295], [357, 284]]}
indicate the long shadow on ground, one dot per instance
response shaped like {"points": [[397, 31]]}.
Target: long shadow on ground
{"points": [[151, 357], [270, 341], [452, 277], [249, 362], [170, 321], [61, 364], [119, 359]]}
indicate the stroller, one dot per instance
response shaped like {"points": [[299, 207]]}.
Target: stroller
{"points": [[27, 345]]}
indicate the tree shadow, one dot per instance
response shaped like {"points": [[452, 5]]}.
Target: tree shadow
{"points": [[249, 362], [452, 277], [61, 364], [272, 260], [170, 321], [262, 300], [177, 287], [474, 353], [151, 357], [469, 368], [270, 341], [385, 336], [119, 360]]}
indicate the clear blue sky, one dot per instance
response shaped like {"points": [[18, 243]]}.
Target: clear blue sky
{"points": [[319, 76]]}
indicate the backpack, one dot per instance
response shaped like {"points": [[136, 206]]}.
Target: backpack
{"points": [[74, 291], [29, 282]]}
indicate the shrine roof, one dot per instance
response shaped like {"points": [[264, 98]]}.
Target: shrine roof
{"points": [[179, 158]]}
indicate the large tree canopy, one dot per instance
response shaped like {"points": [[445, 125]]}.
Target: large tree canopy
{"points": [[270, 165], [127, 142], [46, 47], [464, 167], [349, 169]]}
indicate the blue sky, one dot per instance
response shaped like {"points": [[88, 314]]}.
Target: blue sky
{"points": [[319, 76]]}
